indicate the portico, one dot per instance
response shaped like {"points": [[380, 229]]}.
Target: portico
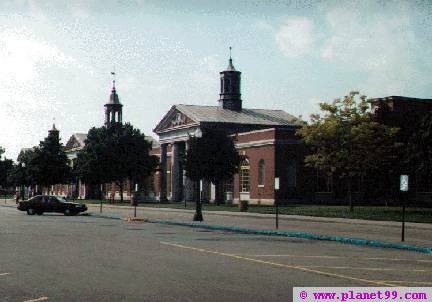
{"points": [[174, 144]]}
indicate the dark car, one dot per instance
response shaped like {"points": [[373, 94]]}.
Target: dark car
{"points": [[47, 203]]}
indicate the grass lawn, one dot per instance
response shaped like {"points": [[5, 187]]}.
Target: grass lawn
{"points": [[368, 213]]}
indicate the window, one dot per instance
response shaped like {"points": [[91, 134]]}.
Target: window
{"points": [[227, 85], [229, 186], [244, 175], [292, 173], [261, 172], [233, 86], [36, 199]]}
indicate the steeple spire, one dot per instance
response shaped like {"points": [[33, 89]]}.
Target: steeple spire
{"points": [[53, 126], [113, 74], [230, 64]]}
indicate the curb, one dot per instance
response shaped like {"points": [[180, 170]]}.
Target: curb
{"points": [[303, 235], [8, 205]]}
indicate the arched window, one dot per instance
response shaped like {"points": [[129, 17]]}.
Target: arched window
{"points": [[292, 173], [261, 172], [244, 175]]}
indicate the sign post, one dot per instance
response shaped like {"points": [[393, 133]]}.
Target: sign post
{"points": [[404, 181], [276, 186]]}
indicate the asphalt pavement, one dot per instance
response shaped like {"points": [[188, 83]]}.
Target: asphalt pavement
{"points": [[85, 258], [419, 234]]}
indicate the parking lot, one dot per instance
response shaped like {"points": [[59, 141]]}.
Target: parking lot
{"points": [[84, 258]]}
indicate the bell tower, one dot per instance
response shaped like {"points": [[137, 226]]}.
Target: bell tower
{"points": [[113, 109], [54, 131], [230, 88]]}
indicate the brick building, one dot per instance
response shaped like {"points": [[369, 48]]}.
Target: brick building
{"points": [[265, 139]]}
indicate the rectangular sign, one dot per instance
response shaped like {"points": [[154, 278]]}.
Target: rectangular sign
{"points": [[404, 183], [362, 294], [276, 183]]}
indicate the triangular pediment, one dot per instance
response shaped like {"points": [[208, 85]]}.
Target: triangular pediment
{"points": [[73, 144], [174, 119]]}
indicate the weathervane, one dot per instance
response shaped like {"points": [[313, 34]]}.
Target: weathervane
{"points": [[113, 75], [230, 52]]}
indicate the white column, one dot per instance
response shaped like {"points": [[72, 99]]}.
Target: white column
{"points": [[188, 183], [176, 177], [163, 174]]}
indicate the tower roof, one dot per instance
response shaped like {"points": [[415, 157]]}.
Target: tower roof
{"points": [[230, 66], [230, 63], [53, 129], [114, 99]]}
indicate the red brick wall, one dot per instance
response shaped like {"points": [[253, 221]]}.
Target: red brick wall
{"points": [[255, 154]]}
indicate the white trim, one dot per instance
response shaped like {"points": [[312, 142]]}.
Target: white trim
{"points": [[174, 140], [260, 186], [180, 127], [254, 131], [267, 142], [177, 135]]}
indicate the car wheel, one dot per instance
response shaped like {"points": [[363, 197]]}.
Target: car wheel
{"points": [[30, 211], [67, 212], [39, 212]]}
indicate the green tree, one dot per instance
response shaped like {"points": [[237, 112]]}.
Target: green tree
{"points": [[24, 169], [6, 166], [347, 142], [92, 163], [50, 166], [214, 158], [114, 154]]}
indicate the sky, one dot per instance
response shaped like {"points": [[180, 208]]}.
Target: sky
{"points": [[56, 57]]}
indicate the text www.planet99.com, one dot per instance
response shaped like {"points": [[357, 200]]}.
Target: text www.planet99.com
{"points": [[306, 294]]}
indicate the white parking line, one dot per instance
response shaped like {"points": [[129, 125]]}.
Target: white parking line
{"points": [[294, 267], [5, 274], [370, 268], [344, 257], [407, 282], [36, 300]]}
